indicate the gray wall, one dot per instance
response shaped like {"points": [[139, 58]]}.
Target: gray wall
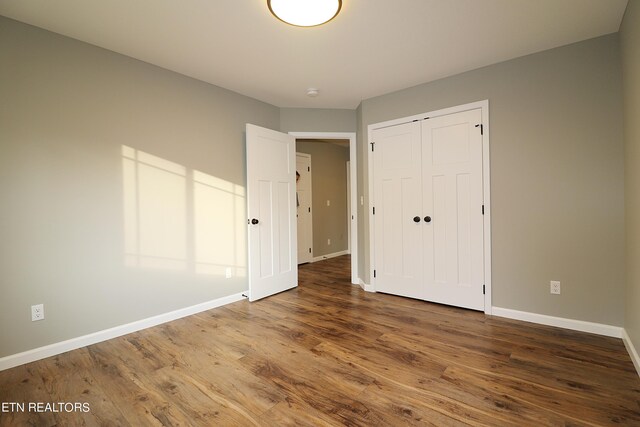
{"points": [[317, 120], [67, 109], [630, 43], [556, 174], [328, 182]]}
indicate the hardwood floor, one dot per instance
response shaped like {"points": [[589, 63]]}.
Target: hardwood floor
{"points": [[327, 353]]}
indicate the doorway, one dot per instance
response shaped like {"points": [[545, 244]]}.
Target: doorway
{"points": [[349, 139]]}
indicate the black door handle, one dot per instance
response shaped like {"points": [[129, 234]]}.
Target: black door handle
{"points": [[254, 221], [416, 219], [427, 219]]}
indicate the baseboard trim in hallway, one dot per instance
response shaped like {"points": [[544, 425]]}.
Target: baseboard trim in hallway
{"points": [[329, 256]]}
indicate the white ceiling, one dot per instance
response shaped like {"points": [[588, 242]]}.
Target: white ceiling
{"points": [[373, 47]]}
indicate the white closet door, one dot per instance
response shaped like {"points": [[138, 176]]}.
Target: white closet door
{"points": [[398, 209], [452, 198]]}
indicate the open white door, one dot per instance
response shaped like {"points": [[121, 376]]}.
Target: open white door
{"points": [[271, 211]]}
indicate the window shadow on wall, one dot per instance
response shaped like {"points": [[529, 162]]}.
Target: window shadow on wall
{"points": [[177, 218]]}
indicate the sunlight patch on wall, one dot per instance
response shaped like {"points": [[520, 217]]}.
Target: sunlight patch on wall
{"points": [[219, 218], [181, 219]]}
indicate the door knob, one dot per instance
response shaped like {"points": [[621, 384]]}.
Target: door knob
{"points": [[416, 219], [254, 221], [427, 219]]}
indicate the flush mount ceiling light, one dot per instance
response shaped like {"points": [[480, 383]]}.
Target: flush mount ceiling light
{"points": [[305, 13]]}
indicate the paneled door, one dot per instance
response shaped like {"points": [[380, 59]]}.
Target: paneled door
{"points": [[398, 210], [428, 219], [271, 207], [452, 209], [303, 209]]}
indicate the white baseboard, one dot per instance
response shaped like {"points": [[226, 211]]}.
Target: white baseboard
{"points": [[107, 334], [560, 322], [333, 255], [632, 350], [366, 287]]}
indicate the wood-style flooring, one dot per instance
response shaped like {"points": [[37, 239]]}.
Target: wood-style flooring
{"points": [[327, 353]]}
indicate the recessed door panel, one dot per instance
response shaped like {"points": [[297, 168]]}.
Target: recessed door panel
{"points": [[266, 231], [285, 244]]}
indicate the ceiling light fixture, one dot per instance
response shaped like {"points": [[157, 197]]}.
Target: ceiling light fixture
{"points": [[305, 13], [312, 92]]}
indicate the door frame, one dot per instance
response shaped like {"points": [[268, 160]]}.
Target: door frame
{"points": [[349, 208], [486, 183], [351, 136]]}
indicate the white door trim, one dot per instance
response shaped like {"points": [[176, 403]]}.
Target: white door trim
{"points": [[351, 136], [486, 175], [349, 207]]}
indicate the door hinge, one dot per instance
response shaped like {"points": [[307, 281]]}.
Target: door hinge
{"points": [[308, 169], [372, 146], [309, 250], [374, 274], [481, 126], [374, 210], [482, 209], [483, 289], [310, 210]]}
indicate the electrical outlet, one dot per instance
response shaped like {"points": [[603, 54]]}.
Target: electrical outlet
{"points": [[328, 242], [227, 273], [328, 202], [361, 200], [37, 312], [555, 287]]}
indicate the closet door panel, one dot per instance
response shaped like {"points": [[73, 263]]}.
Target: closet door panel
{"points": [[452, 197], [397, 220]]}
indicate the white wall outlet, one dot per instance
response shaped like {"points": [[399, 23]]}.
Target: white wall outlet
{"points": [[328, 202], [361, 200], [37, 312], [555, 287], [328, 242], [227, 273]]}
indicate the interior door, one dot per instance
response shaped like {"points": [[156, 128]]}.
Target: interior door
{"points": [[452, 202], [271, 206], [303, 211], [398, 210]]}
